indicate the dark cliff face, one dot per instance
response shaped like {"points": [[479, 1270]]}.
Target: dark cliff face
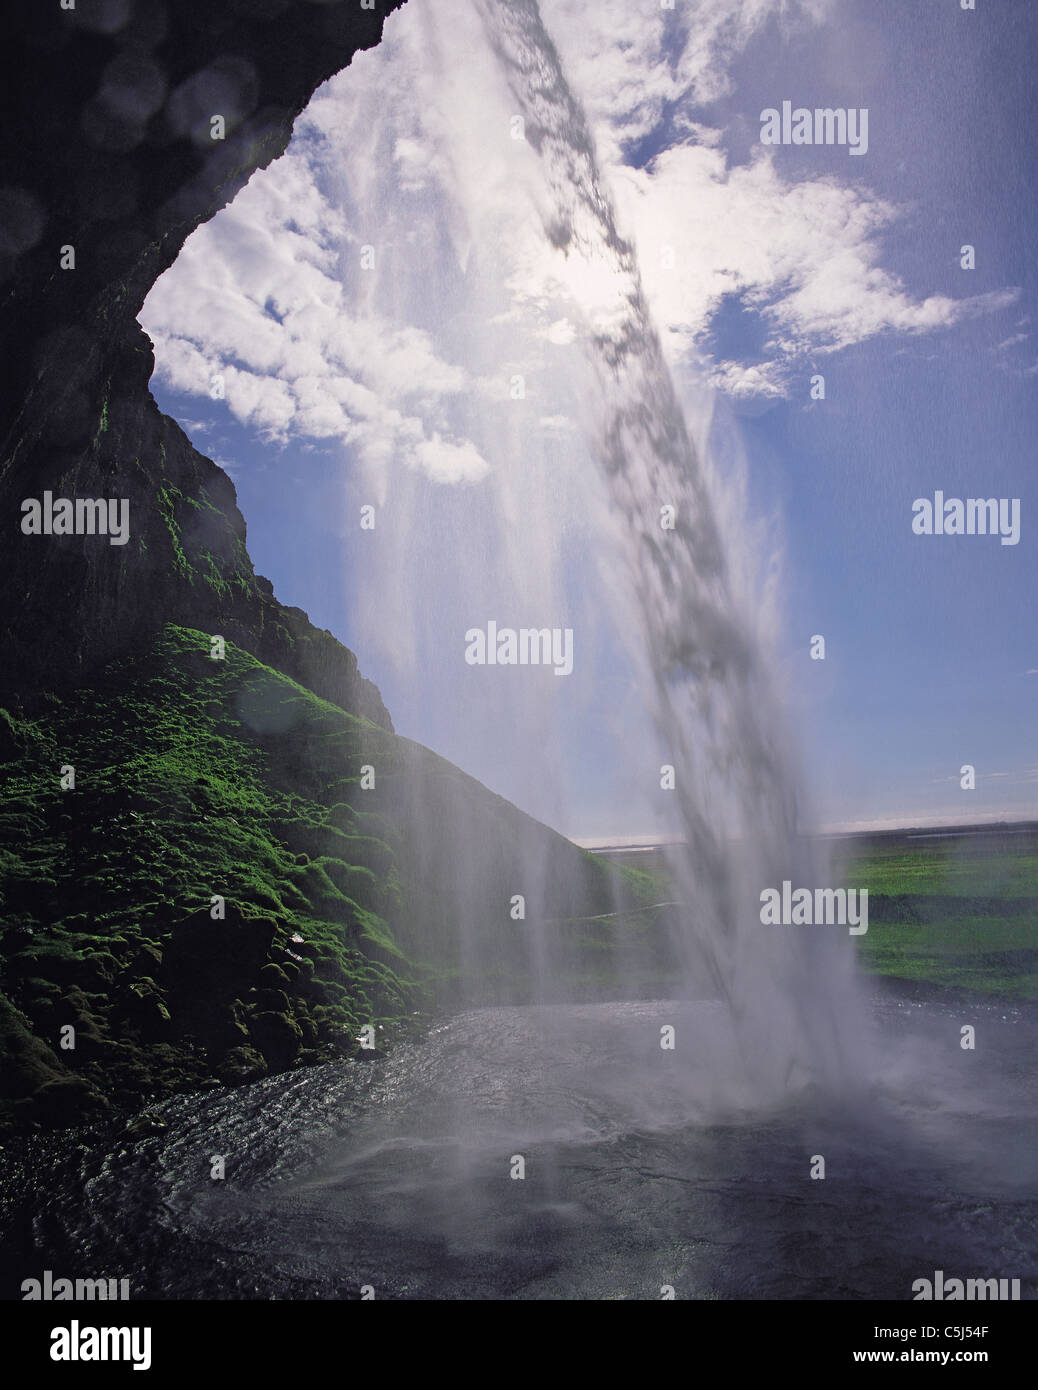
{"points": [[111, 164]]}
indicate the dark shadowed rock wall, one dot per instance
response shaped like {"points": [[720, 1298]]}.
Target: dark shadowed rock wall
{"points": [[111, 156]]}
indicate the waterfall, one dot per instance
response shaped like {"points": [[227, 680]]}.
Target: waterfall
{"points": [[447, 246], [791, 989]]}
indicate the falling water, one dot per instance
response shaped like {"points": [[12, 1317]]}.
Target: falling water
{"points": [[791, 990], [495, 254]]}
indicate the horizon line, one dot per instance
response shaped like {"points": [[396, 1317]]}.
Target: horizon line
{"points": [[845, 828]]}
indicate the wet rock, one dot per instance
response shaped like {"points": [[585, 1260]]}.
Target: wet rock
{"points": [[143, 1126]]}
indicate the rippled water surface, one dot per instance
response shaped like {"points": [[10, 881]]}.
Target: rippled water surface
{"points": [[639, 1172]]}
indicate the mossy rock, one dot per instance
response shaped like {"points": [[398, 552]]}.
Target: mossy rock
{"points": [[308, 1030], [44, 1014], [203, 955], [307, 1024], [331, 1031], [42, 989], [26, 1061], [144, 1009], [68, 1100], [241, 1065], [100, 968], [230, 1025], [12, 740], [146, 962], [273, 1001], [216, 1026], [277, 1036], [91, 1030]]}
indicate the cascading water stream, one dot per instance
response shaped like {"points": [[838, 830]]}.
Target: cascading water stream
{"points": [[791, 990], [498, 257]]}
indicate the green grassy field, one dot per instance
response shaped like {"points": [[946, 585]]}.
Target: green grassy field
{"points": [[950, 910], [945, 909]]}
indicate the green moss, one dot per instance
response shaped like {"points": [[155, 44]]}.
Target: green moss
{"points": [[168, 497], [185, 791]]}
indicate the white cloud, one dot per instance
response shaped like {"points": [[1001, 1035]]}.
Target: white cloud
{"points": [[257, 296], [271, 294], [628, 62], [562, 332], [805, 255], [753, 382], [450, 461]]}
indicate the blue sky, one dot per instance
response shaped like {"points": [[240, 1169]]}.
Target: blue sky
{"points": [[390, 386]]}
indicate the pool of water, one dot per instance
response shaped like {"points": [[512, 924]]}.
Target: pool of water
{"points": [[561, 1153]]}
